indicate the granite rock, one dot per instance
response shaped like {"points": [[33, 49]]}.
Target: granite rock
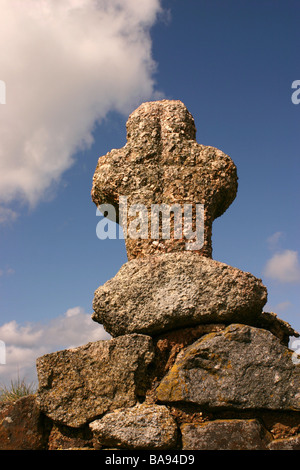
{"points": [[173, 290], [21, 425], [227, 434], [162, 163], [291, 443], [64, 438], [241, 367], [280, 328], [168, 345], [148, 427], [77, 385]]}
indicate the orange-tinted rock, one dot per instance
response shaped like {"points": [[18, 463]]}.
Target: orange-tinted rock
{"points": [[240, 367], [77, 385], [64, 438], [231, 434], [291, 443], [21, 425]]}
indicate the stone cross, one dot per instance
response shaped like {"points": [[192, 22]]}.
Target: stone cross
{"points": [[162, 164]]}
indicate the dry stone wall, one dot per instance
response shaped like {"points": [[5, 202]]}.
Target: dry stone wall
{"points": [[194, 362]]}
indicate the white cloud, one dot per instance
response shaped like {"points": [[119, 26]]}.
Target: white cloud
{"points": [[7, 215], [25, 343], [283, 267], [65, 64], [279, 307], [273, 240], [283, 306]]}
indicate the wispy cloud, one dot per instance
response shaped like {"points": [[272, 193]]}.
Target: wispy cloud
{"points": [[274, 240], [7, 272], [7, 215], [283, 267], [66, 64], [25, 343], [282, 307]]}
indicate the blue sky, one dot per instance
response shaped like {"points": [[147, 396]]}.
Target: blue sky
{"points": [[231, 62]]}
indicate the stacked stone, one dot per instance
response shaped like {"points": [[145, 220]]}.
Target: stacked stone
{"points": [[193, 362]]}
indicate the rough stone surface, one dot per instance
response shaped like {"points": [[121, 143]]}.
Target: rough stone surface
{"points": [[173, 290], [279, 328], [65, 438], [292, 443], [283, 426], [168, 345], [238, 434], [241, 367], [141, 427], [216, 372], [162, 163], [21, 425], [78, 385]]}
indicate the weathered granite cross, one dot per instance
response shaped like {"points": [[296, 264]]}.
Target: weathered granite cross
{"points": [[162, 163]]}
